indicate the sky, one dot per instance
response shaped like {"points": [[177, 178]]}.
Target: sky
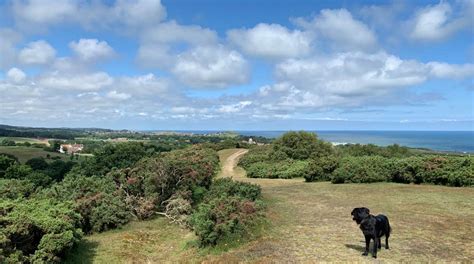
{"points": [[237, 65]]}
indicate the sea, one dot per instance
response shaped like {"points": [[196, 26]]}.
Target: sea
{"points": [[452, 141]]}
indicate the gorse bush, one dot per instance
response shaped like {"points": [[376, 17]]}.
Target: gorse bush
{"points": [[321, 168], [95, 199], [391, 151], [451, 171], [37, 231], [289, 156], [14, 188], [228, 187], [228, 212], [362, 169], [152, 181], [278, 169]]}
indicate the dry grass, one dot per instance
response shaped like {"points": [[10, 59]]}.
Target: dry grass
{"points": [[154, 241], [311, 222]]}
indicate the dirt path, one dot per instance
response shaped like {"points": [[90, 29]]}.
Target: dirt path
{"points": [[311, 222], [229, 159]]}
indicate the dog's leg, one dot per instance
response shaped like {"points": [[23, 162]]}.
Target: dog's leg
{"points": [[374, 251], [379, 243], [386, 241], [367, 242]]}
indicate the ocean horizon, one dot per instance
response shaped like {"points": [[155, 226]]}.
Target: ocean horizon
{"points": [[452, 141]]}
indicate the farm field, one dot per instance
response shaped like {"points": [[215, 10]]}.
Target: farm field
{"points": [[25, 153], [311, 222], [30, 140]]}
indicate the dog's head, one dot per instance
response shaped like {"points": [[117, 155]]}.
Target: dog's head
{"points": [[358, 214]]}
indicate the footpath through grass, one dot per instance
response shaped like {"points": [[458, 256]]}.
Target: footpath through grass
{"points": [[311, 222]]}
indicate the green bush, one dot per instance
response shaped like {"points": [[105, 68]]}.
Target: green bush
{"points": [[278, 169], [14, 188], [6, 160], [363, 169], [321, 169], [96, 199], [228, 211], [302, 145], [37, 230], [17, 171], [228, 187], [257, 154]]}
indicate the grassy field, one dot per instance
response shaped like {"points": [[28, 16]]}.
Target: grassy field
{"points": [[30, 140], [25, 153], [311, 222]]}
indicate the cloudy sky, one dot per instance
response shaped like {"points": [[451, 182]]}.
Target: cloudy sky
{"points": [[237, 64]]}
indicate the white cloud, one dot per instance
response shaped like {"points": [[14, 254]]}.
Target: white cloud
{"points": [[81, 82], [146, 86], [435, 23], [172, 32], [118, 96], [8, 39], [37, 52], [34, 15], [43, 12], [350, 79], [271, 41], [91, 49], [156, 47], [450, 71], [344, 32], [234, 108], [16, 75], [211, 66], [340, 80], [139, 13], [155, 55]]}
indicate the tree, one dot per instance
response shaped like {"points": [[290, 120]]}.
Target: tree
{"points": [[18, 171], [37, 163], [5, 162], [302, 145], [7, 142]]}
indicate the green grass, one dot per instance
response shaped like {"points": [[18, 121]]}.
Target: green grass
{"points": [[310, 222], [30, 140], [25, 153]]}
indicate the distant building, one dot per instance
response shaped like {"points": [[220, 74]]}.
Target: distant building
{"points": [[71, 148]]}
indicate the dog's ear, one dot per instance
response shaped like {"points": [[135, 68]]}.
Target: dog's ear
{"points": [[363, 212]]}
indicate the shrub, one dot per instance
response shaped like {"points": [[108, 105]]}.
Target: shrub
{"points": [[257, 154], [36, 231], [302, 145], [39, 179], [228, 211], [7, 142], [321, 169], [17, 171], [14, 188], [363, 169], [228, 187], [95, 199], [6, 160], [37, 163], [278, 169]]}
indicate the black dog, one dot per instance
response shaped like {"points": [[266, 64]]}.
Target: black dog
{"points": [[373, 227]]}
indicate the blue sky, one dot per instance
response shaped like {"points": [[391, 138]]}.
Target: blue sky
{"points": [[238, 65]]}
